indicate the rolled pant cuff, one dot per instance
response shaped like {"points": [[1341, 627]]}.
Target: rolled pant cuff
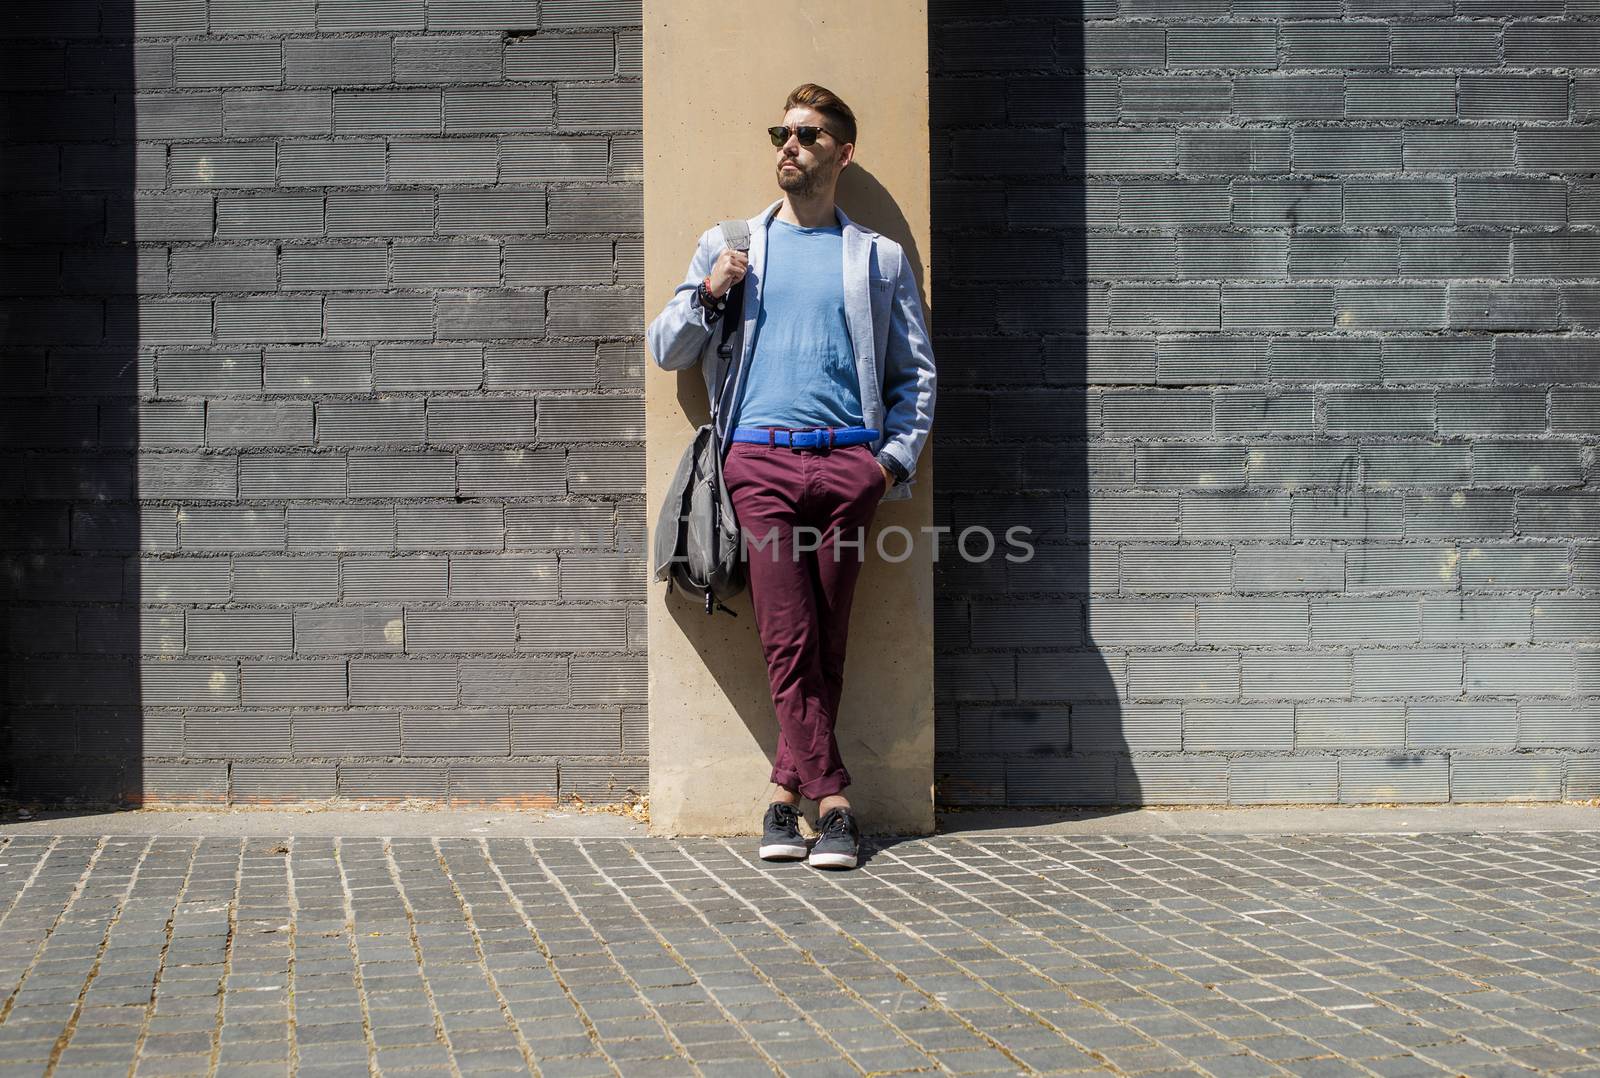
{"points": [[816, 789]]}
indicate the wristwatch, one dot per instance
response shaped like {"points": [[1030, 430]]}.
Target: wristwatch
{"points": [[713, 305]]}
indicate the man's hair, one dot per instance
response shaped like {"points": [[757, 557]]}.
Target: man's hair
{"points": [[809, 95]]}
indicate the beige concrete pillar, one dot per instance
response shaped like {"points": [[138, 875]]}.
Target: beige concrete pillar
{"points": [[715, 75]]}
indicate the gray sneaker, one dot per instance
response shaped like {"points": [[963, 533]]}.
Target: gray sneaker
{"points": [[780, 835], [838, 842]]}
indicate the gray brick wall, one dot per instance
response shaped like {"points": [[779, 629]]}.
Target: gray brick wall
{"points": [[1277, 321], [322, 424]]}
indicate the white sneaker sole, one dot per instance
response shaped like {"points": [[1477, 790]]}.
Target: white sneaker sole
{"points": [[832, 860], [782, 852]]}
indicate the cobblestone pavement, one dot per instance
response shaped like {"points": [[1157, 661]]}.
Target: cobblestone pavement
{"points": [[1425, 954]]}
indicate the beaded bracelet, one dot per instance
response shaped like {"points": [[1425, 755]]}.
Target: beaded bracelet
{"points": [[709, 300]]}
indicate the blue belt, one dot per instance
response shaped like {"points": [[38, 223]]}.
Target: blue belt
{"points": [[814, 438]]}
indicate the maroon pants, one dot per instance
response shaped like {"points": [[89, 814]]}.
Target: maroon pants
{"points": [[802, 596]]}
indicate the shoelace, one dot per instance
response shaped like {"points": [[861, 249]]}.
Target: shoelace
{"points": [[786, 814], [836, 822]]}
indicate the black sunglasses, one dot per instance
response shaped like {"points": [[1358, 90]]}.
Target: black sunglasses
{"points": [[806, 133]]}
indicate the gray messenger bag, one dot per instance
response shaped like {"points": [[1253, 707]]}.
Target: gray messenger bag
{"points": [[697, 549]]}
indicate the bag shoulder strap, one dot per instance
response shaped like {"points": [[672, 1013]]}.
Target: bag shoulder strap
{"points": [[735, 234]]}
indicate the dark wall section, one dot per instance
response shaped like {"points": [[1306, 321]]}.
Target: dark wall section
{"points": [[69, 426], [1279, 318], [1028, 711], [386, 354]]}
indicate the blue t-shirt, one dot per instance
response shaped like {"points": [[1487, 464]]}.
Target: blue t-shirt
{"points": [[803, 368]]}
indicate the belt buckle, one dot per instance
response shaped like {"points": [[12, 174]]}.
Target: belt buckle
{"points": [[813, 440]]}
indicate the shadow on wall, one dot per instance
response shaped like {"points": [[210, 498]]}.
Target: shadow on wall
{"points": [[70, 724], [1028, 710]]}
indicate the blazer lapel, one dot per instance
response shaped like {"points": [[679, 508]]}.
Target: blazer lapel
{"points": [[857, 293], [754, 280]]}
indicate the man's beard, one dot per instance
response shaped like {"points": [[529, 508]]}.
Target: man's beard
{"points": [[798, 181]]}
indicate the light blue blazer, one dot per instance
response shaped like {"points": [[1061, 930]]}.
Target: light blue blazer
{"points": [[883, 310]]}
